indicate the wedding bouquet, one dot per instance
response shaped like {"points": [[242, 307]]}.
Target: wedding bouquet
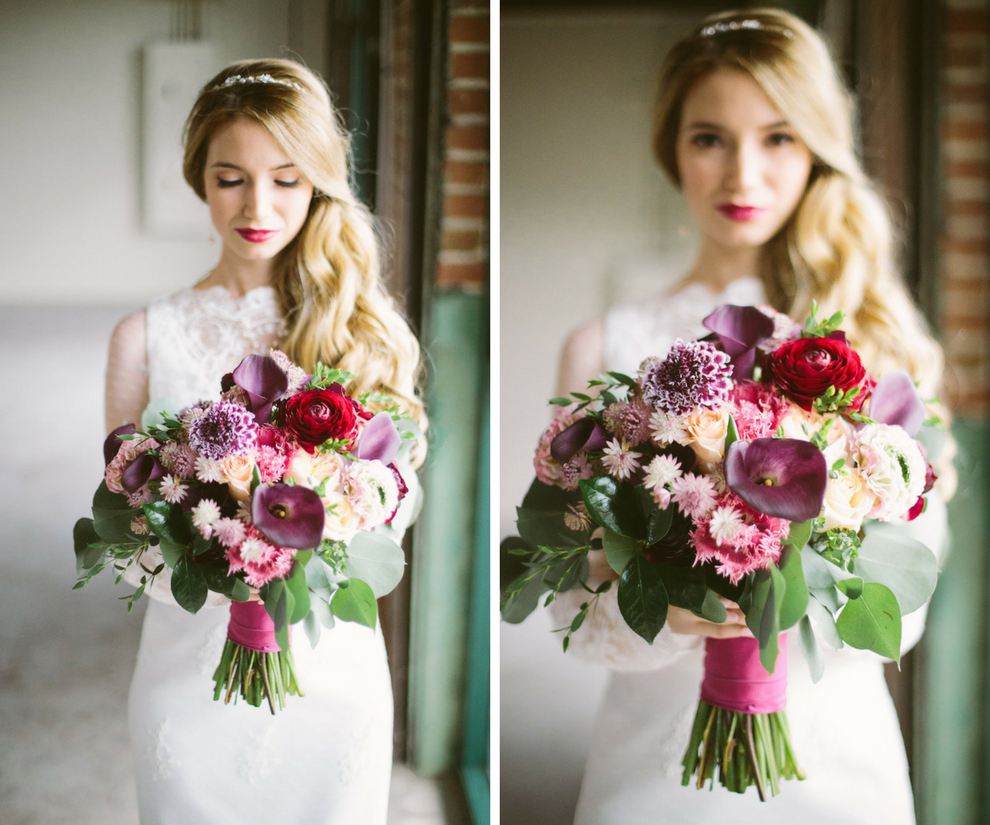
{"points": [[763, 465], [267, 496]]}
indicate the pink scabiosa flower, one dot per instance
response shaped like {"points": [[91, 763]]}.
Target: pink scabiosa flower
{"points": [[693, 494], [620, 460], [172, 489], [694, 374], [205, 515], [629, 420], [224, 429]]}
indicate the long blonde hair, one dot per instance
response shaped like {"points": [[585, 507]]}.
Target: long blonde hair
{"points": [[328, 279], [837, 247]]}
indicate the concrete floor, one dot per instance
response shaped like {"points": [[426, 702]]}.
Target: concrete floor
{"points": [[66, 657]]}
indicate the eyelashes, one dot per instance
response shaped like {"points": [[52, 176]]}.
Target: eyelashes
{"points": [[229, 184], [709, 140]]}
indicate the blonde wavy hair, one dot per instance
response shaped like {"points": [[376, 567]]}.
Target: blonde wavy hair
{"points": [[328, 279], [838, 246]]}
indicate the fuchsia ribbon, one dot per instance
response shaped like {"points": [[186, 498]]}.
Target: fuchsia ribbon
{"points": [[251, 627], [736, 681]]}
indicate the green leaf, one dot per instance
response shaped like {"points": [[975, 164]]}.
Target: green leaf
{"points": [[659, 521], [312, 626], [240, 591], [685, 586], [295, 584], [799, 534], [852, 587], [614, 506], [890, 556], [820, 573], [525, 599], [872, 622], [642, 598], [321, 609], [620, 550], [829, 597], [762, 609], [811, 649], [376, 560], [559, 401], [255, 478], [90, 549], [731, 435], [795, 600], [545, 528], [171, 552], [355, 603], [189, 585], [713, 609], [321, 579], [542, 496], [826, 624], [166, 521], [114, 526]]}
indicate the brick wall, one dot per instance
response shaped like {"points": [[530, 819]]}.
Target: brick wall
{"points": [[964, 249], [463, 259]]}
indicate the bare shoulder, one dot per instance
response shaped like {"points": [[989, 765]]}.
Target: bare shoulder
{"points": [[127, 372], [582, 357], [128, 337]]}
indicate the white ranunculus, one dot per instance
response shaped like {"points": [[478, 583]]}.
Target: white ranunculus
{"points": [[892, 466]]}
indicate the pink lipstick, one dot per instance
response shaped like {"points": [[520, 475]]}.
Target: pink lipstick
{"points": [[741, 213], [257, 235]]}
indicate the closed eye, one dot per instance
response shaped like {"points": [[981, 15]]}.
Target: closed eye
{"points": [[288, 184], [779, 139], [226, 184], [706, 140]]}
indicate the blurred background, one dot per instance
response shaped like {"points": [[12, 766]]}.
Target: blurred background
{"points": [[587, 220], [95, 221]]}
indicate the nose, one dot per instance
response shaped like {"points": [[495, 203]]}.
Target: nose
{"points": [[745, 168], [257, 201]]}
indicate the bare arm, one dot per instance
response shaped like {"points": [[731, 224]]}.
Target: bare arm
{"points": [[127, 373]]}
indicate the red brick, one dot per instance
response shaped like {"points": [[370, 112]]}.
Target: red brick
{"points": [[951, 322], [455, 274], [966, 92], [468, 101], [961, 21], [971, 246], [964, 130], [959, 57], [469, 65], [963, 285], [467, 137], [469, 28], [463, 172], [465, 206], [976, 209], [462, 240], [966, 168]]}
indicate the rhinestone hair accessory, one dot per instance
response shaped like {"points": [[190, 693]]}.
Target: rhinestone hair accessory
{"points": [[739, 25], [239, 79]]}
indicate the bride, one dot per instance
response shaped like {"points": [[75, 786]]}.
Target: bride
{"points": [[755, 128], [298, 269]]}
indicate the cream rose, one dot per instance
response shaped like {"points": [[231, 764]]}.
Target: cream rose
{"points": [[847, 501], [237, 472], [705, 433], [342, 521], [303, 466], [801, 424]]}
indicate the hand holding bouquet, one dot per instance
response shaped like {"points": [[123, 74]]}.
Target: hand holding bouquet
{"points": [[268, 496], [762, 464]]}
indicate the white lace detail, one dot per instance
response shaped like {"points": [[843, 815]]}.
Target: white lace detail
{"points": [[259, 759], [197, 336], [352, 762], [158, 753], [211, 649]]}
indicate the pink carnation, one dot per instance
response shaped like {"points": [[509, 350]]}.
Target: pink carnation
{"points": [[260, 561], [757, 409], [755, 545]]}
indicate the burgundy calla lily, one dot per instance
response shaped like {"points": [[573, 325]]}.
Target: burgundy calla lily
{"points": [[585, 434], [781, 477], [288, 515], [740, 330], [140, 471], [264, 381], [895, 400], [378, 440], [113, 444]]}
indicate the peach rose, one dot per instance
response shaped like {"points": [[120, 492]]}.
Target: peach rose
{"points": [[303, 466], [237, 471], [342, 521], [705, 433], [801, 424], [847, 501]]}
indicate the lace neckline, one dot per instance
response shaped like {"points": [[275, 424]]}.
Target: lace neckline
{"points": [[219, 290], [738, 286]]}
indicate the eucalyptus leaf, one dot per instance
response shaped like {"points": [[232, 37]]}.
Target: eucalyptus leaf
{"points": [[376, 560], [872, 622], [811, 649], [852, 587], [713, 609], [642, 598], [820, 573], [829, 597], [799, 534], [320, 578], [826, 624], [312, 626], [620, 550], [890, 556], [321, 609], [355, 603], [295, 583], [763, 613], [795, 601]]}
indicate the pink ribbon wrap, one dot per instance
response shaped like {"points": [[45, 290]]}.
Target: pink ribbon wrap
{"points": [[736, 681], [251, 627]]}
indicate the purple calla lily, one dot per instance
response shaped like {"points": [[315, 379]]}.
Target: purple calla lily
{"points": [[584, 434], [288, 515], [264, 381], [140, 471], [113, 444], [895, 400], [781, 477], [740, 331], [378, 440]]}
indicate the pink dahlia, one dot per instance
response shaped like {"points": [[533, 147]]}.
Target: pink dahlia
{"points": [[693, 374]]}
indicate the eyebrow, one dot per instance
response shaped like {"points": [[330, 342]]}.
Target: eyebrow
{"points": [[223, 165], [702, 124]]}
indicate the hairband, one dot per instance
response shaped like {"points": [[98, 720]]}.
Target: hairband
{"points": [[737, 25], [238, 79]]}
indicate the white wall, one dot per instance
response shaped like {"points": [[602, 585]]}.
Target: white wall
{"points": [[70, 119], [586, 220]]}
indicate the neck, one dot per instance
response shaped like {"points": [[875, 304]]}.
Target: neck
{"points": [[239, 276], [718, 266]]}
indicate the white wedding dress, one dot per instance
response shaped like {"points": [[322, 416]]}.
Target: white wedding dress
{"points": [[326, 759], [844, 729]]}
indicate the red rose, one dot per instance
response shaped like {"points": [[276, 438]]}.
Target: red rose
{"points": [[315, 416], [804, 369]]}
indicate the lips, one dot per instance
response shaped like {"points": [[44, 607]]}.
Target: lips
{"points": [[257, 235], [741, 213]]}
